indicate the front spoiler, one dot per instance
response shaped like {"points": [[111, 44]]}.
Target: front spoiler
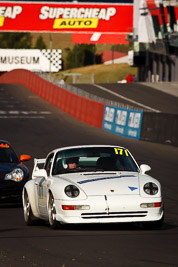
{"points": [[125, 209]]}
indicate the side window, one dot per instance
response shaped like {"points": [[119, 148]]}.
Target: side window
{"points": [[49, 161]]}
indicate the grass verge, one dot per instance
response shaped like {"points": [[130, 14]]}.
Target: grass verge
{"points": [[100, 73]]}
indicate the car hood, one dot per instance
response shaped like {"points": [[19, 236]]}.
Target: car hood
{"points": [[106, 183], [6, 167]]}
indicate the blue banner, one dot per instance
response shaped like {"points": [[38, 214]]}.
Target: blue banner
{"points": [[122, 121]]}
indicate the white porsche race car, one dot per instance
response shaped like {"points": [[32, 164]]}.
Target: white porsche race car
{"points": [[92, 184]]}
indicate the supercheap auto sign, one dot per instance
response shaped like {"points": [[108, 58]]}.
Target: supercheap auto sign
{"points": [[60, 17]]}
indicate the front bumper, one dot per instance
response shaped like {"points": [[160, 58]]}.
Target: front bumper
{"points": [[11, 191], [117, 209]]}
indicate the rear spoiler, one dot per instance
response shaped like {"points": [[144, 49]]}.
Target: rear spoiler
{"points": [[36, 167]]}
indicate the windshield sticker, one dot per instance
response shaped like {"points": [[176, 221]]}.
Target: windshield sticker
{"points": [[132, 188], [120, 151], [4, 145], [104, 178]]}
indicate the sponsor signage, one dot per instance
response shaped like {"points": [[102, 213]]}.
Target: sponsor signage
{"points": [[154, 8], [44, 60], [123, 122], [61, 17], [99, 38]]}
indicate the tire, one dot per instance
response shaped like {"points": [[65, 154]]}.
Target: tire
{"points": [[52, 213], [28, 214]]}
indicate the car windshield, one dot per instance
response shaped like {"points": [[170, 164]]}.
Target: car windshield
{"points": [[7, 154], [93, 159]]}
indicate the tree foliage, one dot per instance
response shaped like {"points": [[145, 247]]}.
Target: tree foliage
{"points": [[15, 40], [124, 48], [81, 55], [40, 44]]}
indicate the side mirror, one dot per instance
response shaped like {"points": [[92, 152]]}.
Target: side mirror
{"points": [[40, 173], [24, 158], [144, 168]]}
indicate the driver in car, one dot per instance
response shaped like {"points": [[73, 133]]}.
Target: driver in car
{"points": [[72, 163]]}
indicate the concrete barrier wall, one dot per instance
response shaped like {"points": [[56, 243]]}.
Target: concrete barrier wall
{"points": [[86, 110], [160, 128]]}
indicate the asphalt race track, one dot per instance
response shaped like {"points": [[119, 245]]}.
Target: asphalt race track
{"points": [[35, 127], [136, 95]]}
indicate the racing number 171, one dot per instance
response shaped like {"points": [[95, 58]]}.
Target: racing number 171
{"points": [[120, 151]]}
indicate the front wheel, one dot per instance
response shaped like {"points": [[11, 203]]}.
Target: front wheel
{"points": [[28, 214], [52, 213]]}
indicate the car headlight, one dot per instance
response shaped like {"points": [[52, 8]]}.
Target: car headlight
{"points": [[150, 188], [16, 175], [71, 191]]}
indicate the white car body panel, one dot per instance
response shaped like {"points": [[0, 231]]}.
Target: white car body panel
{"points": [[102, 184], [113, 196], [126, 209]]}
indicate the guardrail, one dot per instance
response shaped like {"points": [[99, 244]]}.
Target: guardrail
{"points": [[111, 116]]}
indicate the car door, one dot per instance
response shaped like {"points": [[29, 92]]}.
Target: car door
{"points": [[42, 190]]}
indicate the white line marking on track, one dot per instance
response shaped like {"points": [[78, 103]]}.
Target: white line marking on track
{"points": [[22, 117], [21, 114], [45, 112], [125, 98]]}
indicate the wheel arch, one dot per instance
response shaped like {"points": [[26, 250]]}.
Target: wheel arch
{"points": [[29, 188], [55, 190]]}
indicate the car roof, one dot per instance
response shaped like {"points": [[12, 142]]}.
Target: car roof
{"points": [[83, 146]]}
